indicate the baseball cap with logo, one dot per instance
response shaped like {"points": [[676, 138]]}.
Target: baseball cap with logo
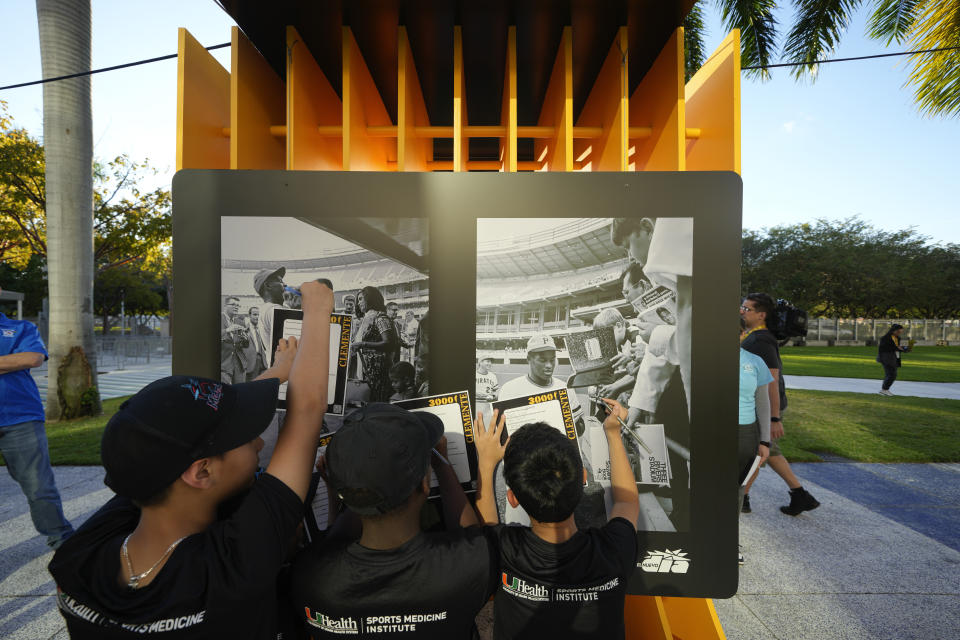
{"points": [[541, 342], [380, 455], [158, 433], [263, 274]]}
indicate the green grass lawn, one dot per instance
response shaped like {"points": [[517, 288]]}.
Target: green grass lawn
{"points": [[858, 426], [871, 428], [77, 442], [924, 364]]}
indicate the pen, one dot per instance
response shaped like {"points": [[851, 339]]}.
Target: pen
{"points": [[445, 461], [638, 439], [630, 431]]}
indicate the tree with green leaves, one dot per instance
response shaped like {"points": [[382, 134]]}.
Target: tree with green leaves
{"points": [[131, 227], [819, 25], [851, 269], [139, 291]]}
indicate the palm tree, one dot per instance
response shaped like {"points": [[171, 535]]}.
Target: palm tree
{"points": [[819, 25], [68, 144]]}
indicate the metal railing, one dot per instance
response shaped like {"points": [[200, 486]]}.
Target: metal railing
{"points": [[118, 352], [863, 329]]}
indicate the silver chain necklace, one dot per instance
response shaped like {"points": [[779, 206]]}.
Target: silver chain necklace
{"points": [[134, 581]]}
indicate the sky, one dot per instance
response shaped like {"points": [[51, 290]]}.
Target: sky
{"points": [[850, 144]]}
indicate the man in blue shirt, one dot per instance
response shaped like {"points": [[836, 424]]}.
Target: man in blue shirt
{"points": [[23, 440]]}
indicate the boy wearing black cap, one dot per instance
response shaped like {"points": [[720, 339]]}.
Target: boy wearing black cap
{"points": [[395, 580], [159, 557], [556, 581]]}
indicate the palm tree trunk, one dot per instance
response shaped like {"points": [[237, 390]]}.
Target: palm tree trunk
{"points": [[65, 34]]}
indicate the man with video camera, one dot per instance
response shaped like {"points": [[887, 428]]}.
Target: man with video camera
{"points": [[758, 311]]}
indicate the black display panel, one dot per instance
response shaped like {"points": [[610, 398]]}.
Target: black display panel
{"points": [[429, 222]]}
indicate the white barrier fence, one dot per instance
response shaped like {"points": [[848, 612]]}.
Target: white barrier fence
{"points": [[924, 331]]}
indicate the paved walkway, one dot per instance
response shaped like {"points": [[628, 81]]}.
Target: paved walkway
{"points": [[950, 390], [115, 383], [876, 561]]}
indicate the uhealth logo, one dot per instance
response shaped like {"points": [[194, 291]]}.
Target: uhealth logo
{"points": [[343, 625], [665, 562], [529, 590]]}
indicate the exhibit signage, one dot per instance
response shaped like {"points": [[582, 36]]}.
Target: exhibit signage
{"points": [[551, 291]]}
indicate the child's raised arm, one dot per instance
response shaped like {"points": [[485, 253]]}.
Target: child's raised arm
{"points": [[296, 448], [626, 503]]}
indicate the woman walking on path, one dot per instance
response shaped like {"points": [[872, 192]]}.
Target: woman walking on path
{"points": [[888, 355]]}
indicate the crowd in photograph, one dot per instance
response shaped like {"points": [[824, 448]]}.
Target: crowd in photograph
{"points": [[388, 347]]}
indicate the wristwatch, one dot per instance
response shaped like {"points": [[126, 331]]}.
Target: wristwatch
{"points": [[765, 443], [774, 419]]}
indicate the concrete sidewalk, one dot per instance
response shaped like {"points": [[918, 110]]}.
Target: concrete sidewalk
{"points": [[115, 383], [949, 390], [877, 560]]}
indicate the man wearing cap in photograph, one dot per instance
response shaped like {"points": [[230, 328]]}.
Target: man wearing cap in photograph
{"points": [[268, 283], [542, 360], [191, 545], [487, 383], [395, 580]]}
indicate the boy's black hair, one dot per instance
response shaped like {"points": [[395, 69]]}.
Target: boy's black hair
{"points": [[544, 470]]}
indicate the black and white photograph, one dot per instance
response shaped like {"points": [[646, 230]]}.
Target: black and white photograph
{"points": [[455, 411], [380, 305], [599, 307]]}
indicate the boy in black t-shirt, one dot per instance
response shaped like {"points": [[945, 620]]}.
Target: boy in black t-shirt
{"points": [[395, 580], [556, 581], [159, 556]]}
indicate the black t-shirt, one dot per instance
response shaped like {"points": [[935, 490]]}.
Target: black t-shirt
{"points": [[763, 343], [431, 587], [220, 583], [574, 589]]}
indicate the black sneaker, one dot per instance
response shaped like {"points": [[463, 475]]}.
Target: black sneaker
{"points": [[800, 501], [746, 505], [740, 558]]}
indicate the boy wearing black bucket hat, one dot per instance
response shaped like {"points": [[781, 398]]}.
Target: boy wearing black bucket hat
{"points": [[161, 557], [395, 580]]}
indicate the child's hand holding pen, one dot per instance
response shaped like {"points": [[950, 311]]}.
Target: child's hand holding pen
{"points": [[615, 420]]}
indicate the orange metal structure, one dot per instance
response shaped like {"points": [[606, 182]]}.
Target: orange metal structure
{"points": [[250, 118]]}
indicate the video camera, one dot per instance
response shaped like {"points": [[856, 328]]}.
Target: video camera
{"points": [[791, 321]]}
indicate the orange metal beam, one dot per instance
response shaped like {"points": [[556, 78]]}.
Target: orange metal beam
{"points": [[203, 107]]}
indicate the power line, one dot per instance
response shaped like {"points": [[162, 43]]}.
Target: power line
{"points": [[113, 68], [227, 44], [878, 55]]}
